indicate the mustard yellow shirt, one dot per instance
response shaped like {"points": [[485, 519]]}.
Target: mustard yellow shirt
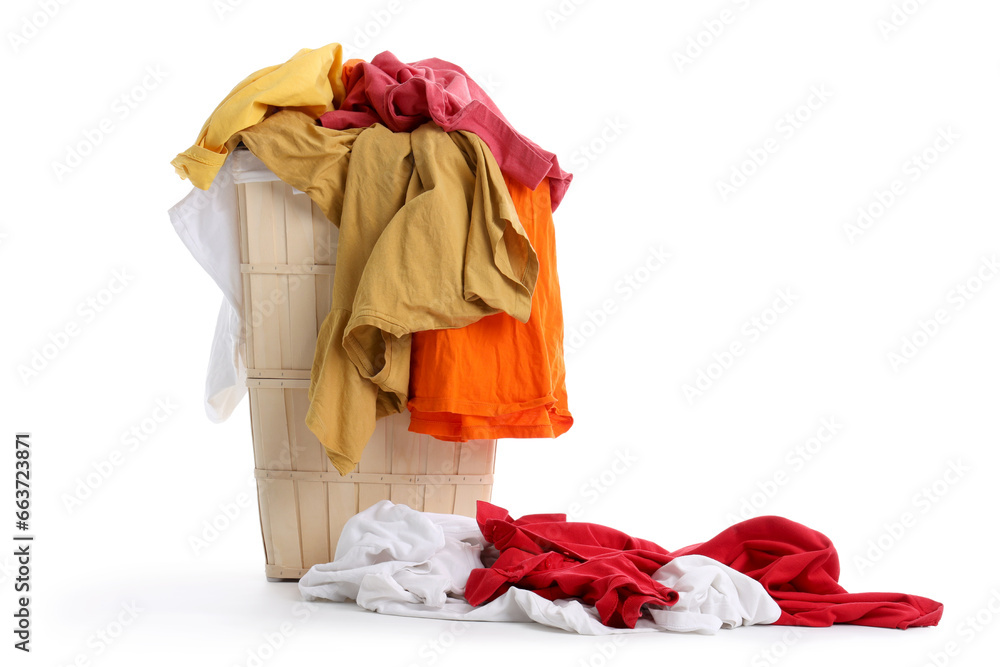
{"points": [[429, 239]]}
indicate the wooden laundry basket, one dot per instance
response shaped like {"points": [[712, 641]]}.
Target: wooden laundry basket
{"points": [[288, 253]]}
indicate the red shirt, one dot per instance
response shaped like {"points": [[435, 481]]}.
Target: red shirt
{"points": [[797, 566]]}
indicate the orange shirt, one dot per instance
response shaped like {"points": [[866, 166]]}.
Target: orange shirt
{"points": [[497, 377]]}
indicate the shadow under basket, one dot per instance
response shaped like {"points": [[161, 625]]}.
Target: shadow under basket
{"points": [[288, 253]]}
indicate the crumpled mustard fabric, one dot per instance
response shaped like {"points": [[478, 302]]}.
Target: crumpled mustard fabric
{"points": [[309, 82], [429, 239]]}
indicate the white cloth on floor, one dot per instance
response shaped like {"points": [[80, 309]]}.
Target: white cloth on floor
{"points": [[208, 223], [710, 596], [396, 560], [429, 556]]}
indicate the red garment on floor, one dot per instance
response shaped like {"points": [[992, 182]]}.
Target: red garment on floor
{"points": [[542, 552], [404, 96], [799, 568], [796, 565]]}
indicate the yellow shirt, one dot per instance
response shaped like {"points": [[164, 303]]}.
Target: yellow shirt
{"points": [[309, 82], [429, 239]]}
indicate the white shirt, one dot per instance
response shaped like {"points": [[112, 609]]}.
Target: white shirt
{"points": [[208, 223]]}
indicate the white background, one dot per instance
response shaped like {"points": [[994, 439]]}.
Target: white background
{"points": [[662, 134]]}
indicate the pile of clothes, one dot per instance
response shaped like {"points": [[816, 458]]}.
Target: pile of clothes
{"points": [[446, 297], [595, 580], [446, 303]]}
